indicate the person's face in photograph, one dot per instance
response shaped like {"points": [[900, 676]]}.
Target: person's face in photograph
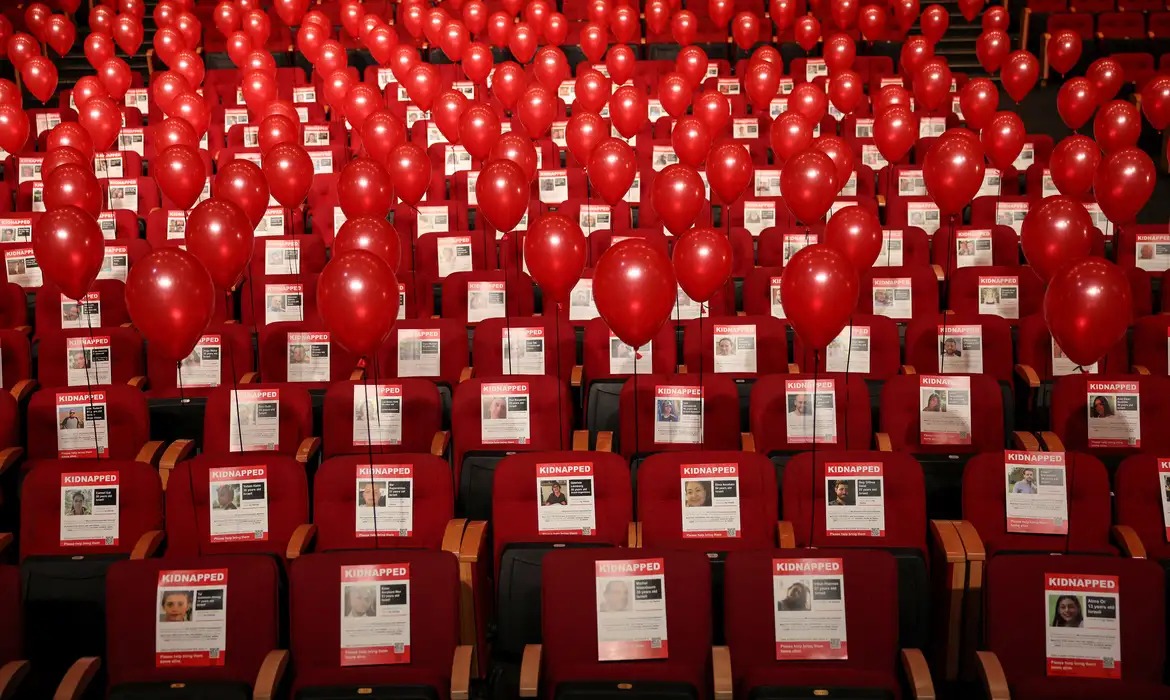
{"points": [[1029, 476], [841, 492], [796, 599], [1100, 408], [616, 596], [556, 490], [498, 408], [175, 607], [934, 403], [224, 496], [79, 359], [78, 501], [667, 409], [989, 296], [696, 494], [368, 496], [724, 346], [949, 347], [298, 354], [800, 404], [1068, 609], [360, 601]]}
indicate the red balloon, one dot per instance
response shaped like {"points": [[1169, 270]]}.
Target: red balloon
{"points": [[371, 233], [1020, 72], [783, 14], [550, 67], [808, 183], [357, 295], [100, 117], [362, 101], [14, 129], [40, 77], [915, 53], [68, 245], [508, 82], [1123, 184], [410, 171], [331, 57], [60, 156], [627, 110], [1117, 125], [364, 189], [1064, 50], [992, 49], [970, 8], [790, 134], [996, 18], [115, 76], [934, 23], [953, 170], [192, 109], [819, 287], [762, 84], [454, 41], [856, 233], [932, 83], [166, 86], [220, 236], [1056, 232], [978, 101], [846, 91], [99, 48], [840, 53], [634, 289], [276, 129], [422, 85], [171, 300], [477, 62], [745, 30], [180, 174], [502, 193], [593, 42], [1073, 164], [289, 172], [538, 109], [555, 250], [175, 131], [519, 150], [612, 169], [1088, 308], [593, 91], [556, 29], [582, 134], [889, 96], [684, 27], [479, 129], [1075, 102], [702, 263], [691, 63], [691, 140], [21, 48], [619, 61], [1107, 77], [291, 12], [837, 149], [259, 89], [1003, 139], [1155, 96], [905, 12], [70, 134], [60, 34], [677, 196], [809, 101], [894, 132], [190, 66], [128, 34], [807, 31], [73, 185], [522, 42], [729, 170], [242, 183], [448, 109], [714, 109]]}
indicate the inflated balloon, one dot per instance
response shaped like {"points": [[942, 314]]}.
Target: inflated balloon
{"points": [[70, 134], [783, 14], [970, 8], [165, 86], [856, 233], [905, 12], [537, 109], [1073, 164], [627, 110], [479, 129], [40, 77], [1123, 184], [1155, 96], [555, 250], [808, 184], [276, 129], [846, 91], [819, 288], [890, 95], [454, 41], [953, 170], [14, 128], [60, 34], [612, 169], [593, 42], [1107, 77], [128, 34], [364, 189], [992, 49], [1075, 102], [21, 48], [894, 132], [514, 147], [362, 101], [172, 131], [291, 11], [60, 156], [242, 183], [702, 262], [840, 53], [357, 296], [634, 289], [73, 185], [423, 84], [790, 134], [619, 61], [915, 53], [171, 300], [180, 174], [115, 76], [714, 109], [502, 193], [1088, 308], [447, 112], [550, 67], [1056, 232], [331, 57], [522, 42], [239, 46], [1117, 125], [1003, 139], [932, 83], [508, 81], [192, 109], [678, 195], [872, 22], [410, 171], [372, 233], [101, 117], [839, 151], [684, 27], [556, 29], [289, 171], [190, 66], [1064, 50], [69, 248], [729, 170], [1020, 72], [220, 236], [806, 31], [996, 18], [745, 30], [809, 101], [978, 100], [99, 48], [691, 63], [582, 134], [934, 23]]}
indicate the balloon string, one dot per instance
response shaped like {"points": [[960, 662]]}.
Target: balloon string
{"points": [[370, 454], [848, 358], [951, 243], [702, 402], [252, 303], [97, 448], [236, 396], [816, 376], [560, 379], [179, 371]]}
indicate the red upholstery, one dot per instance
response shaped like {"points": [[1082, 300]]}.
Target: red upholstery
{"points": [[560, 346], [420, 409], [1070, 414], [771, 344], [274, 353], [769, 411], [964, 288], [235, 360], [720, 424], [127, 423], [111, 295], [1034, 348], [434, 621], [296, 418], [923, 288], [253, 621], [452, 344], [1137, 486], [14, 307], [1005, 247], [900, 416], [922, 343], [885, 353], [126, 357], [517, 288], [1150, 335], [16, 355], [596, 351]]}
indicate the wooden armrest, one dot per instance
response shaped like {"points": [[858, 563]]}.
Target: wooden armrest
{"points": [[148, 545], [972, 543], [530, 671], [1149, 35], [908, 369], [881, 200], [1051, 441], [634, 535], [991, 673], [604, 441], [748, 442], [249, 377], [27, 330], [474, 541], [681, 369], [917, 674], [1141, 369], [1023, 440], [6, 538], [785, 535], [580, 440], [308, 448], [178, 451], [472, 547], [1029, 376], [10, 456], [270, 675], [1129, 542], [23, 389], [77, 679], [453, 535], [939, 273], [461, 672], [793, 368], [301, 540], [440, 442], [11, 674], [1100, 35], [882, 440], [575, 376], [151, 452], [465, 374], [721, 672], [947, 540], [357, 375], [138, 382]]}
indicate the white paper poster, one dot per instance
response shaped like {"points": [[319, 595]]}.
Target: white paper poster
{"points": [[84, 313], [623, 359], [1000, 296], [22, 268], [523, 350], [735, 348], [282, 256], [796, 242], [855, 495], [973, 248], [892, 247], [1152, 251], [767, 183], [924, 215], [687, 309], [485, 300], [809, 600], [122, 194], [581, 305], [1114, 414], [238, 503], [15, 229], [678, 414], [775, 298], [811, 411], [254, 420], [594, 217], [418, 352], [1062, 366], [849, 351], [385, 500], [631, 609], [88, 361], [566, 498], [377, 414], [192, 618], [758, 216], [1036, 495], [1082, 619], [89, 508], [505, 418], [81, 425], [893, 297], [202, 367], [1164, 492], [1011, 214], [308, 357], [710, 500], [283, 302], [945, 410], [375, 614], [960, 349], [115, 263]]}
